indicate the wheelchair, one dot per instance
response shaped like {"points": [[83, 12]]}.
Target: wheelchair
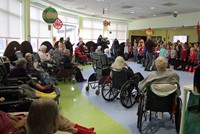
{"points": [[120, 84], [150, 103], [101, 71]]}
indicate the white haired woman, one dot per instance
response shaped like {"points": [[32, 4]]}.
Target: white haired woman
{"points": [[43, 55], [120, 65], [160, 77], [98, 50]]}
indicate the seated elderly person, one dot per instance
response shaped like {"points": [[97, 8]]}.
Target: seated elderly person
{"points": [[120, 65], [20, 71], [68, 62], [81, 55], [107, 52], [43, 118], [98, 50], [35, 70], [43, 55], [160, 78]]}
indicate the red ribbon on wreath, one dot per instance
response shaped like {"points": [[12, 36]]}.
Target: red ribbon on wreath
{"points": [[58, 24]]}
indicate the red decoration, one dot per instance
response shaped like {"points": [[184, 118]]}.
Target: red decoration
{"points": [[198, 28], [58, 24], [106, 23], [149, 31]]}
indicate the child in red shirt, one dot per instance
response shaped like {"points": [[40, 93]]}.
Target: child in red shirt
{"points": [[183, 57], [191, 59]]}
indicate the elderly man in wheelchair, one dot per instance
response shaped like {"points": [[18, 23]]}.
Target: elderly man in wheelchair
{"points": [[160, 93]]}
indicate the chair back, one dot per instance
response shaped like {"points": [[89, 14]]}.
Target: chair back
{"points": [[96, 63], [89, 45], [196, 80], [26, 47], [11, 49], [159, 104], [118, 78], [48, 45], [36, 57]]}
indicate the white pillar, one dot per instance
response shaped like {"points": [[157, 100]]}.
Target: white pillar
{"points": [[26, 20]]}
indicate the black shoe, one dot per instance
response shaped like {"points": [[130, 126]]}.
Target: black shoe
{"points": [[83, 80]]}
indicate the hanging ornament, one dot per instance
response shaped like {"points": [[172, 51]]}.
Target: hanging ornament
{"points": [[149, 31], [58, 24], [175, 14], [106, 23], [49, 15]]}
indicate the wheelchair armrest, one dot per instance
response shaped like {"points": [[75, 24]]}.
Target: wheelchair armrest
{"points": [[11, 81], [19, 80], [8, 88]]}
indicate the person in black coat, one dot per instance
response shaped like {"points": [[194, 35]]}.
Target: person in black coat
{"points": [[20, 71], [68, 62], [69, 45]]}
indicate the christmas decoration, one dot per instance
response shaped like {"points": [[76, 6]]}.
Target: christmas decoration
{"points": [[175, 14], [106, 23], [49, 15], [58, 24], [149, 31]]}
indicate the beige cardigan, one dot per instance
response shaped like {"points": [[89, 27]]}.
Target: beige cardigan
{"points": [[158, 81]]}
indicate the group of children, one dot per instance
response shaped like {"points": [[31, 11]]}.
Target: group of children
{"points": [[183, 56]]}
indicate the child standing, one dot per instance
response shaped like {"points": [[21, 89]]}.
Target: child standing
{"points": [[191, 59]]}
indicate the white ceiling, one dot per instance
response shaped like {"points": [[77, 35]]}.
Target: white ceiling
{"points": [[126, 10]]}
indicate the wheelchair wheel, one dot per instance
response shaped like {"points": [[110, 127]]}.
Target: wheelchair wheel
{"points": [[91, 82], [97, 92], [128, 94], [178, 114], [140, 113], [108, 93]]}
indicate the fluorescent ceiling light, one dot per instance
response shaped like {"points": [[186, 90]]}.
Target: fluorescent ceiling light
{"points": [[132, 12], [152, 8]]}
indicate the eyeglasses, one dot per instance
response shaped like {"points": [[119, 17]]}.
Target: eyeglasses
{"points": [[140, 42]]}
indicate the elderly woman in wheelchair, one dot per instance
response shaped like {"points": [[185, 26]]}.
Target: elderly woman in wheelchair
{"points": [[122, 83], [160, 93]]}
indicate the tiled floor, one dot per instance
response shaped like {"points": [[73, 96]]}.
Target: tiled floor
{"points": [[90, 109]]}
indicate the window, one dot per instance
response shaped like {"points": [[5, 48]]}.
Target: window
{"points": [[10, 23], [68, 29], [118, 31], [10, 18], [91, 30]]}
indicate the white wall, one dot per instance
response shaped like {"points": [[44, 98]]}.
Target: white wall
{"points": [[190, 19]]}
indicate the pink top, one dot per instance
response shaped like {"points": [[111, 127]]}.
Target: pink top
{"points": [[44, 56]]}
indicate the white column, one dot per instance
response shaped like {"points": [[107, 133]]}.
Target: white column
{"points": [[26, 20]]}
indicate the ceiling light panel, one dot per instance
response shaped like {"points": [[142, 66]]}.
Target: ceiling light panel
{"points": [[169, 4]]}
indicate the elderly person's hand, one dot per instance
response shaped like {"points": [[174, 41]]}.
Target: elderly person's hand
{"points": [[125, 64]]}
